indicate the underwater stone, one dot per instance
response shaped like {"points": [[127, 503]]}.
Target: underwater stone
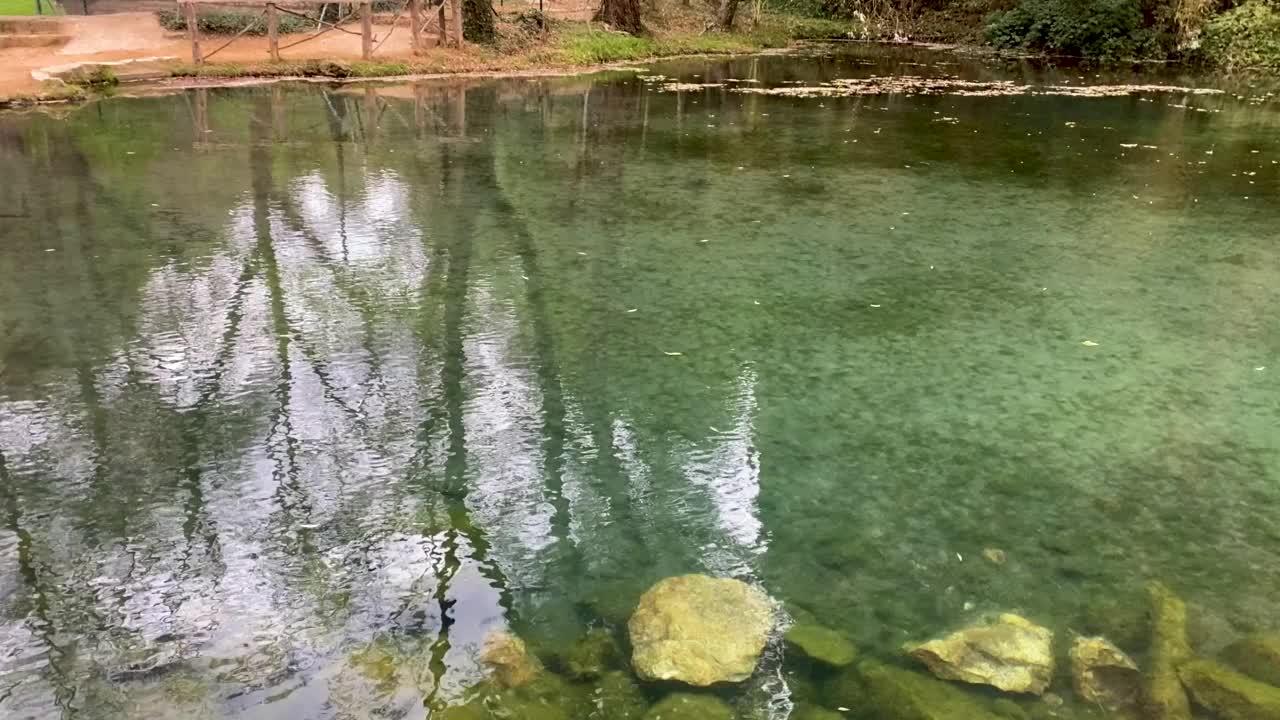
{"points": [[1229, 694], [1012, 654], [1165, 697], [617, 697], [846, 689], [1101, 673], [814, 712], [821, 644], [1006, 708], [688, 706], [700, 630], [509, 659], [591, 655], [1124, 623], [898, 694], [1257, 656]]}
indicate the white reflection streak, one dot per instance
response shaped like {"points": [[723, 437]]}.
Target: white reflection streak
{"points": [[731, 472]]}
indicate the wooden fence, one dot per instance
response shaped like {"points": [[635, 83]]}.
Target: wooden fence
{"points": [[450, 31]]}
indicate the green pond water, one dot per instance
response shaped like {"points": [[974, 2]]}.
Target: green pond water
{"points": [[304, 390]]}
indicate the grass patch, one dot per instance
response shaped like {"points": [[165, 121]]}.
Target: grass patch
{"points": [[50, 92], [29, 7]]}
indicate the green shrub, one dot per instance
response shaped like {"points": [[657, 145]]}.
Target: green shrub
{"points": [[1101, 29], [230, 22], [1245, 36]]}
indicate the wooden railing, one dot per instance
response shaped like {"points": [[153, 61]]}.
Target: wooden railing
{"points": [[450, 33]]}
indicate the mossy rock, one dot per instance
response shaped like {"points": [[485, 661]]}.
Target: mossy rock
{"points": [[689, 706], [1257, 656], [617, 697], [803, 688], [806, 711], [1165, 697], [1229, 694], [593, 654], [845, 689], [898, 694], [1006, 708], [821, 645]]}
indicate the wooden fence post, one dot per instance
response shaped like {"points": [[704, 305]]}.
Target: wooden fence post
{"points": [[193, 31], [273, 31], [366, 30], [415, 25], [455, 22]]}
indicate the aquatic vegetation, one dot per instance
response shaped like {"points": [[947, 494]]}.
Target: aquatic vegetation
{"points": [[688, 706], [592, 654], [899, 694]]}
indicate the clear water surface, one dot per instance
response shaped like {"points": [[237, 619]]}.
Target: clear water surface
{"points": [[305, 389]]}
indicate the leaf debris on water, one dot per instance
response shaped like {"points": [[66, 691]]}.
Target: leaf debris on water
{"points": [[633, 310], [672, 354], [1089, 343]]}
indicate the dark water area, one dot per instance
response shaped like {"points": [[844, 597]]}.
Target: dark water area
{"points": [[306, 389]]}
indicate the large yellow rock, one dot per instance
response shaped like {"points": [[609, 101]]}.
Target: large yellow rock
{"points": [[700, 630], [509, 660], [1012, 654]]}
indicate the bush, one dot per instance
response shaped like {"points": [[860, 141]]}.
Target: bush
{"points": [[1101, 29], [230, 22], [1245, 36]]}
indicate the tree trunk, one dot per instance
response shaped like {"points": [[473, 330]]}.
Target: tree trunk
{"points": [[725, 14], [477, 22], [621, 15]]}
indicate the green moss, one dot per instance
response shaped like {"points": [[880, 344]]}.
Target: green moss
{"points": [[688, 706], [897, 694], [1257, 656], [845, 689], [1006, 708], [1166, 700], [1228, 694], [617, 697], [821, 645], [593, 654], [814, 712]]}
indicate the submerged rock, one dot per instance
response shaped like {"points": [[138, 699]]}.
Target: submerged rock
{"points": [[814, 712], [1165, 698], [1101, 673], [688, 706], [1012, 654], [821, 644], [1257, 656], [1229, 694], [617, 697], [896, 694], [1124, 621], [509, 660], [591, 655], [700, 630]]}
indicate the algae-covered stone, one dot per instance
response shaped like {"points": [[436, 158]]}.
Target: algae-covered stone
{"points": [[846, 689], [700, 630], [820, 644], [1006, 708], [1124, 621], [688, 706], [814, 712], [593, 654], [509, 659], [1257, 656], [1102, 674], [1165, 698], [896, 694], [1229, 694], [617, 697], [1012, 654]]}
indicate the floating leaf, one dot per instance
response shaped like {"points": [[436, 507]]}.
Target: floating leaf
{"points": [[672, 354], [1089, 343]]}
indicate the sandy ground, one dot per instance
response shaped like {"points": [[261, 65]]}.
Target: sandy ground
{"points": [[138, 35]]}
